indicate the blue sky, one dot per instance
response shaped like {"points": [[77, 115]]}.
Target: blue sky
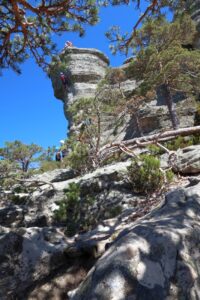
{"points": [[28, 109]]}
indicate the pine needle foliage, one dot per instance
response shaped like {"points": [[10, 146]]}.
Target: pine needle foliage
{"points": [[74, 210], [164, 60], [145, 175], [27, 28]]}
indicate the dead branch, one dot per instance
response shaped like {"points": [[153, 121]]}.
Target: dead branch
{"points": [[149, 9], [143, 141]]}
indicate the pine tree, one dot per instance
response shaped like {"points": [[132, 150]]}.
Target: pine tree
{"points": [[165, 59], [27, 27], [19, 153]]}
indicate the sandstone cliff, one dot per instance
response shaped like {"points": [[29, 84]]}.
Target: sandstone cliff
{"points": [[86, 68]]}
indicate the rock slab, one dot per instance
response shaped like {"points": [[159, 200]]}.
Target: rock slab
{"points": [[157, 258]]}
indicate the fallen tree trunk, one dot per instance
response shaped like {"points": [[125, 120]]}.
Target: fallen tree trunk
{"points": [[143, 141]]}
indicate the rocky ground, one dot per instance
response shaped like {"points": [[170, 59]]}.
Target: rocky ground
{"points": [[145, 250]]}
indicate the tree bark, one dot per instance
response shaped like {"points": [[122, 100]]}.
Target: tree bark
{"points": [[171, 108]]}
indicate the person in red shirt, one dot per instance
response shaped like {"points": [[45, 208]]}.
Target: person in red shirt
{"points": [[63, 79]]}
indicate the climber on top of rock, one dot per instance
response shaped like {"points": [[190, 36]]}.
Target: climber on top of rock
{"points": [[68, 44]]}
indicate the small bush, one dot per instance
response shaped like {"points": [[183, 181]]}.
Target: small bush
{"points": [[17, 200], [78, 159], [179, 143], [74, 211], [155, 150], [145, 176], [115, 211], [49, 166], [169, 175]]}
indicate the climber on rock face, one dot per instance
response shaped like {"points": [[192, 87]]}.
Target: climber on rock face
{"points": [[63, 79]]}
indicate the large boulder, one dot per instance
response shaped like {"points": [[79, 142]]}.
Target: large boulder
{"points": [[12, 215], [105, 185], [155, 258], [55, 175], [27, 256]]}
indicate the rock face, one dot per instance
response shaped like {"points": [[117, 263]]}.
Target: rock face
{"points": [[28, 255], [157, 258], [31, 249], [188, 160], [85, 68]]}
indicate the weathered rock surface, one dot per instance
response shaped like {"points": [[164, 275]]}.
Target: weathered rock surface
{"points": [[12, 215], [33, 256], [55, 175], [28, 255], [156, 258], [86, 68], [188, 160], [106, 185]]}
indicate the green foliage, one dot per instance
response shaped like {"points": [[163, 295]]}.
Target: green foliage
{"points": [[81, 109], [58, 64], [145, 176], [155, 150], [8, 173], [115, 76], [74, 211], [154, 11], [17, 200], [196, 139], [163, 59], [114, 211], [79, 158], [28, 26], [48, 154], [169, 175], [19, 153], [197, 115], [179, 143], [49, 166]]}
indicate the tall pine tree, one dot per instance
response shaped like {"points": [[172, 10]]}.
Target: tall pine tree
{"points": [[165, 58]]}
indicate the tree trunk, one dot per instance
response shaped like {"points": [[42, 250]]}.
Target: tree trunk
{"points": [[169, 102], [135, 116], [25, 165]]}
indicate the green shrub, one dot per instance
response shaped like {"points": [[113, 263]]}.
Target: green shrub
{"points": [[49, 166], [155, 150], [196, 139], [169, 175], [74, 211], [179, 143], [78, 159], [145, 176], [17, 200], [115, 211], [197, 115]]}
